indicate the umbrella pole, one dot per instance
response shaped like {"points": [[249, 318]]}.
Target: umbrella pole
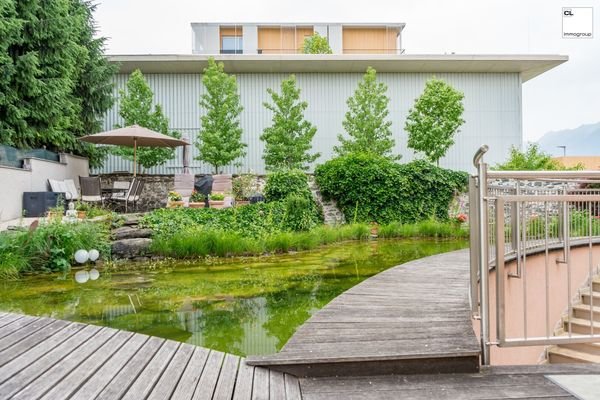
{"points": [[134, 156]]}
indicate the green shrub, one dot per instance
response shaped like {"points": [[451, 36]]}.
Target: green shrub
{"points": [[370, 188], [281, 184], [300, 213], [430, 228], [50, 247]]}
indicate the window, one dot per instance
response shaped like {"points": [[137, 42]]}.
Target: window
{"points": [[231, 45]]}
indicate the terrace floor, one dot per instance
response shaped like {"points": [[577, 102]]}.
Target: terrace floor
{"points": [[402, 334]]}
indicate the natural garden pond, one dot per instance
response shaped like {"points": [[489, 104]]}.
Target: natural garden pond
{"points": [[241, 306]]}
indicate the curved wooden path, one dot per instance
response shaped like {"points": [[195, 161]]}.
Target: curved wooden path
{"points": [[44, 358], [413, 318]]}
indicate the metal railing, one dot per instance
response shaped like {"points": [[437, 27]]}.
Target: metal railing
{"points": [[512, 215]]}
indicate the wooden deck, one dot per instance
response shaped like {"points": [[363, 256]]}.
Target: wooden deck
{"points": [[413, 318], [43, 358]]}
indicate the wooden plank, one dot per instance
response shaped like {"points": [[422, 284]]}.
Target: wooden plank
{"points": [[210, 375], [189, 381], [172, 374], [15, 324], [113, 367], [9, 319], [243, 384], [276, 385], [63, 367], [145, 382], [18, 335], [229, 370], [292, 388], [65, 387], [17, 374], [129, 373], [260, 390]]}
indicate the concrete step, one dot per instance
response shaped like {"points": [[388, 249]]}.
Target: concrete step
{"points": [[582, 311], [596, 284], [589, 348], [560, 355], [587, 299], [581, 326]]}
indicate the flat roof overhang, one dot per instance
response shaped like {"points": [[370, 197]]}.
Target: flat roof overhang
{"points": [[529, 66]]}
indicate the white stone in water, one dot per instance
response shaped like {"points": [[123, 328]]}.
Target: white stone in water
{"points": [[81, 256], [82, 276], [94, 274]]}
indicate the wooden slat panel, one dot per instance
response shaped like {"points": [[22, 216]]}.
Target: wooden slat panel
{"points": [[243, 384], [112, 368], [172, 374], [189, 381], [18, 335], [260, 390], [65, 387], [210, 375], [57, 371], [25, 369], [229, 370], [15, 325], [145, 382], [122, 381], [292, 388], [276, 385]]}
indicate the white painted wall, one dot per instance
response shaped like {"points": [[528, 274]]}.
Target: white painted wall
{"points": [[492, 112], [336, 38], [250, 39], [15, 181]]}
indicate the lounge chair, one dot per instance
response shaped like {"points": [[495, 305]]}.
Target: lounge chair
{"points": [[132, 196]]}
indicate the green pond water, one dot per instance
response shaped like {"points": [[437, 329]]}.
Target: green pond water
{"points": [[241, 306]]}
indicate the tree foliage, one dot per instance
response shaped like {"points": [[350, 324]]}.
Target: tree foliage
{"points": [[54, 80], [316, 44], [371, 188], [137, 108], [220, 139], [366, 120], [288, 140], [531, 159], [434, 119]]}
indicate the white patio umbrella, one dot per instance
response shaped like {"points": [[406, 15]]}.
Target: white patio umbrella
{"points": [[134, 136]]}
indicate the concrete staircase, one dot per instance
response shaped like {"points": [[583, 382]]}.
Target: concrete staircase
{"points": [[580, 323]]}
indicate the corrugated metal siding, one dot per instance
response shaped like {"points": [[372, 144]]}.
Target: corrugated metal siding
{"points": [[492, 113]]}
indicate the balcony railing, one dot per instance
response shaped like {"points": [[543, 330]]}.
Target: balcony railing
{"points": [[514, 214]]}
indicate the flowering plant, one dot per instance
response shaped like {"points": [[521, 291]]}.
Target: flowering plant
{"points": [[174, 196], [197, 197], [461, 218]]}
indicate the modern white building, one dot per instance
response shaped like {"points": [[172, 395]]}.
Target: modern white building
{"points": [[261, 55]]}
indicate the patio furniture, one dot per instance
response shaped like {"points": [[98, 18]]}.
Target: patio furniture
{"points": [[91, 189], [120, 189], [132, 196], [67, 187]]}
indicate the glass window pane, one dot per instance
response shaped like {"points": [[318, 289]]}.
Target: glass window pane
{"points": [[231, 44]]}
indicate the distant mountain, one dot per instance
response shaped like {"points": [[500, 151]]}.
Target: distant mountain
{"points": [[582, 141]]}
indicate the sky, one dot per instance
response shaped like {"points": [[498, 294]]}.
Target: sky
{"points": [[563, 98]]}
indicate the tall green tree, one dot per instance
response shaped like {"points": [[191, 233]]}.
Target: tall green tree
{"points": [[137, 108], [366, 120], [220, 140], [435, 119], [288, 140], [47, 51], [316, 44]]}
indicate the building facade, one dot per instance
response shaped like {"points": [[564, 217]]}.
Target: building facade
{"points": [[261, 56], [255, 38]]}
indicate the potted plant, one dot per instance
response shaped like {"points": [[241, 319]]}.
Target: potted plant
{"points": [[56, 213], [243, 188], [175, 199], [196, 200], [82, 209], [216, 200]]}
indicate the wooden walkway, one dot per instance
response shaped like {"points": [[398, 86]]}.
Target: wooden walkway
{"points": [[43, 358], [413, 318]]}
